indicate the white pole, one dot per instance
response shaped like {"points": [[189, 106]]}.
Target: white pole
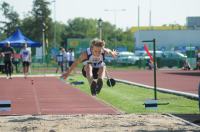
{"points": [[100, 33], [138, 23], [115, 11], [150, 14], [138, 14], [43, 39], [54, 37]]}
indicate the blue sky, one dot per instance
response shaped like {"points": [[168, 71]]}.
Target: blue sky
{"points": [[163, 11]]}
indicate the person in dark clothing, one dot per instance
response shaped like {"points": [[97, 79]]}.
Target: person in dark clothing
{"points": [[8, 52], [149, 64]]}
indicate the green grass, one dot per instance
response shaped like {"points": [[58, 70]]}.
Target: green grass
{"points": [[130, 99]]}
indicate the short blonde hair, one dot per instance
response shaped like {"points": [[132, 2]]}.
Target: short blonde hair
{"points": [[97, 43]]}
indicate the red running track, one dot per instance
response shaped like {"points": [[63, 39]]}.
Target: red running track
{"points": [[184, 81], [48, 95]]}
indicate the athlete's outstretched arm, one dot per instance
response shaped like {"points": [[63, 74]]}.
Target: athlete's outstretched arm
{"points": [[111, 52]]}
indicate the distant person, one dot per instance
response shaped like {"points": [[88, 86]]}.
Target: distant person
{"points": [[65, 59], [149, 64], [8, 52], [186, 65], [198, 56], [60, 60], [25, 54], [71, 57], [198, 65], [94, 66], [198, 60], [16, 61]]}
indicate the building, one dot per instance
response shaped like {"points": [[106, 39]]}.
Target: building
{"points": [[168, 39], [193, 22]]}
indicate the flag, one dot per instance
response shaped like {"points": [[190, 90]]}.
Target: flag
{"points": [[148, 53]]}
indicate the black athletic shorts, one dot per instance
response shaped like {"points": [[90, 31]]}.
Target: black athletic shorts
{"points": [[94, 72], [26, 63]]}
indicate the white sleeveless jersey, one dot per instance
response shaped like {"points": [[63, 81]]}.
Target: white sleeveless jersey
{"points": [[96, 62], [25, 53]]}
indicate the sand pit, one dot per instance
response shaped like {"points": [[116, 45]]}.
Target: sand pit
{"points": [[93, 123]]}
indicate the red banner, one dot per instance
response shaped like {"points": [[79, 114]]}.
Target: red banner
{"points": [[148, 53]]}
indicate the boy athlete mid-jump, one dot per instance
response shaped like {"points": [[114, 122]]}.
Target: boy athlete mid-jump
{"points": [[93, 65]]}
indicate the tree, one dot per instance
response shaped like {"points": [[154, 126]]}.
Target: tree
{"points": [[41, 19], [88, 28], [11, 19], [79, 28]]}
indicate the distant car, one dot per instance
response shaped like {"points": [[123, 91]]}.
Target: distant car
{"points": [[164, 58], [174, 54], [109, 59], [172, 58], [143, 54], [126, 58]]}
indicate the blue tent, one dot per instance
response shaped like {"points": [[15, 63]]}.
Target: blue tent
{"points": [[17, 39]]}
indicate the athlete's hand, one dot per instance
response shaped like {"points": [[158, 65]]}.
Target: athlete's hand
{"points": [[64, 75], [114, 53]]}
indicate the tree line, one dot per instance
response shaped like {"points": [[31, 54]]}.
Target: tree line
{"points": [[38, 20]]}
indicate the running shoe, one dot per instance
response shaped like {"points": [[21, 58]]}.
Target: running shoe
{"points": [[99, 85], [93, 88]]}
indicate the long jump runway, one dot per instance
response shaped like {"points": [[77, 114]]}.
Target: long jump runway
{"points": [[48, 95]]}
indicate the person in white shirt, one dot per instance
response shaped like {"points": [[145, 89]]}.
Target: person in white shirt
{"points": [[25, 54], [198, 56], [198, 60], [71, 57], [65, 59], [62, 60]]}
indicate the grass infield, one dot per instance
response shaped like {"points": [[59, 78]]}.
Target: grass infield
{"points": [[130, 99]]}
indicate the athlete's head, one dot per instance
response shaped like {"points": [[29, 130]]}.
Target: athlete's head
{"points": [[97, 46]]}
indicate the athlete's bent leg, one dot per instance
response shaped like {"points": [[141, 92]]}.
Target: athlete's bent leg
{"points": [[101, 74], [89, 76]]}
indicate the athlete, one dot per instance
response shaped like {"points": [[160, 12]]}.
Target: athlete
{"points": [[93, 65]]}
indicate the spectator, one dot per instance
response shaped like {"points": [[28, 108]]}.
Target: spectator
{"points": [[198, 60], [71, 57], [16, 61], [60, 60], [25, 54], [7, 53], [65, 59], [186, 65], [198, 56], [149, 64]]}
